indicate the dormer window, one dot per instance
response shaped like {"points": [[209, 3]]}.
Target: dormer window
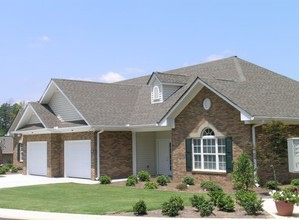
{"points": [[164, 85], [156, 94]]}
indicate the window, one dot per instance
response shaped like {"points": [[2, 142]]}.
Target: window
{"points": [[209, 152], [20, 152], [156, 93]]}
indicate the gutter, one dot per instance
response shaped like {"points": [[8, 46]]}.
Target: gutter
{"points": [[98, 153], [254, 150]]}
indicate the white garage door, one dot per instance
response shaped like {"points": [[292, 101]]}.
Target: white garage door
{"points": [[37, 158], [77, 159]]}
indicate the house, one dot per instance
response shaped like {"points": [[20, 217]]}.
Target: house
{"points": [[193, 120], [6, 145]]}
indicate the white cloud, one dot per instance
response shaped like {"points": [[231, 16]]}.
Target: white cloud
{"points": [[111, 77], [213, 57], [218, 56], [44, 38]]}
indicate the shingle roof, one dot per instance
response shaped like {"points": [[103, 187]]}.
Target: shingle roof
{"points": [[256, 90], [6, 144]]}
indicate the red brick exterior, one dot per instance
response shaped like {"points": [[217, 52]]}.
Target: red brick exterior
{"points": [[222, 117], [116, 154], [265, 171], [16, 141]]}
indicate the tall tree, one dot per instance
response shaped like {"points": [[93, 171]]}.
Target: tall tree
{"points": [[7, 114]]}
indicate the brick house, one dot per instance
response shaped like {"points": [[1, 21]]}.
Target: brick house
{"points": [[6, 150], [189, 121]]}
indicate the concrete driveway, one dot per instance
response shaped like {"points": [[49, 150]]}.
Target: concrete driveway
{"points": [[14, 180]]}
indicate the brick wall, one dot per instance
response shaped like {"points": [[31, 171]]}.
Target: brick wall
{"points": [[265, 171], [222, 117], [116, 154], [55, 151], [16, 140]]}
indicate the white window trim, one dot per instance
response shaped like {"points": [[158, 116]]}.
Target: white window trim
{"points": [[159, 97], [202, 154]]}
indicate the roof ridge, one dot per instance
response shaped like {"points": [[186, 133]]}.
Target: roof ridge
{"points": [[240, 72]]}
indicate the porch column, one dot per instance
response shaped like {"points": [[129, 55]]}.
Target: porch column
{"points": [[134, 153]]}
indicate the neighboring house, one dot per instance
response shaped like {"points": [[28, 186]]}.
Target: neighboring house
{"points": [[188, 121], [6, 145]]}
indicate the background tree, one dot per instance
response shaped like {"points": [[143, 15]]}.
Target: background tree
{"points": [[7, 114]]}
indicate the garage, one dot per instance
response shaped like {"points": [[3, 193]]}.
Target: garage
{"points": [[77, 159], [37, 158]]}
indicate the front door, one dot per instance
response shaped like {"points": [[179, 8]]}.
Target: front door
{"points": [[164, 157]]}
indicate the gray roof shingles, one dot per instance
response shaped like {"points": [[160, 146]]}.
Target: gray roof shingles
{"points": [[256, 90]]}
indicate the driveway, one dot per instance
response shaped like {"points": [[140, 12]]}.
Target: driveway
{"points": [[14, 180]]}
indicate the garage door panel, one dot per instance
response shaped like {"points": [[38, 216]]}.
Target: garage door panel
{"points": [[37, 158], [78, 159]]}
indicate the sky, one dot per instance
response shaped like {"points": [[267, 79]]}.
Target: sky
{"points": [[108, 41]]}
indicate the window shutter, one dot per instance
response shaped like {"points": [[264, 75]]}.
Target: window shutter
{"points": [[229, 154], [189, 155], [18, 152]]}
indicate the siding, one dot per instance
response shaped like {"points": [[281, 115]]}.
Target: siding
{"points": [[168, 91], [34, 120], [62, 108], [146, 152]]}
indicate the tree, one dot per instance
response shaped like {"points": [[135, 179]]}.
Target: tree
{"points": [[7, 114], [243, 176]]}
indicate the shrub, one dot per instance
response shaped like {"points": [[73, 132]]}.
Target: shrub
{"points": [[2, 171], [295, 182], [144, 175], [131, 181], [150, 185], [226, 203], [162, 180], [215, 195], [105, 180], [172, 207], [203, 205], [7, 167], [189, 180], [210, 186], [19, 168], [182, 186], [250, 202], [14, 170], [272, 184], [243, 176], [140, 208]]}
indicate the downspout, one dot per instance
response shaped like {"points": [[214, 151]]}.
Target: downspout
{"points": [[98, 153], [254, 151]]}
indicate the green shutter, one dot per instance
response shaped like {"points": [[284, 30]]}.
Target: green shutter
{"points": [[189, 155], [229, 154]]}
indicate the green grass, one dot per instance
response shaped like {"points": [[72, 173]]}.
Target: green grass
{"points": [[85, 199]]}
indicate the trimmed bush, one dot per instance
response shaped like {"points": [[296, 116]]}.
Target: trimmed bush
{"points": [[131, 181], [144, 175], [226, 203], [19, 168], [182, 186], [150, 185], [272, 184], [14, 170], [105, 180], [2, 171], [189, 180], [215, 195], [204, 206], [250, 202], [172, 207], [162, 180], [209, 185], [295, 182], [140, 208]]}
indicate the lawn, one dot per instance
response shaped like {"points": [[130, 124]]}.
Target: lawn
{"points": [[81, 198]]}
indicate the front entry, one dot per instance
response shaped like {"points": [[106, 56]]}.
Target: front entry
{"points": [[164, 157]]}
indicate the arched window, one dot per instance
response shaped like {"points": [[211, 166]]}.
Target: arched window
{"points": [[156, 93], [209, 152]]}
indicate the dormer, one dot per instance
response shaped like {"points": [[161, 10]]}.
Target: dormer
{"points": [[163, 85]]}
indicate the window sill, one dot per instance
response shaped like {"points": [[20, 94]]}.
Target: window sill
{"points": [[211, 172]]}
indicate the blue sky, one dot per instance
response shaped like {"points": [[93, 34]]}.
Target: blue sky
{"points": [[112, 40]]}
